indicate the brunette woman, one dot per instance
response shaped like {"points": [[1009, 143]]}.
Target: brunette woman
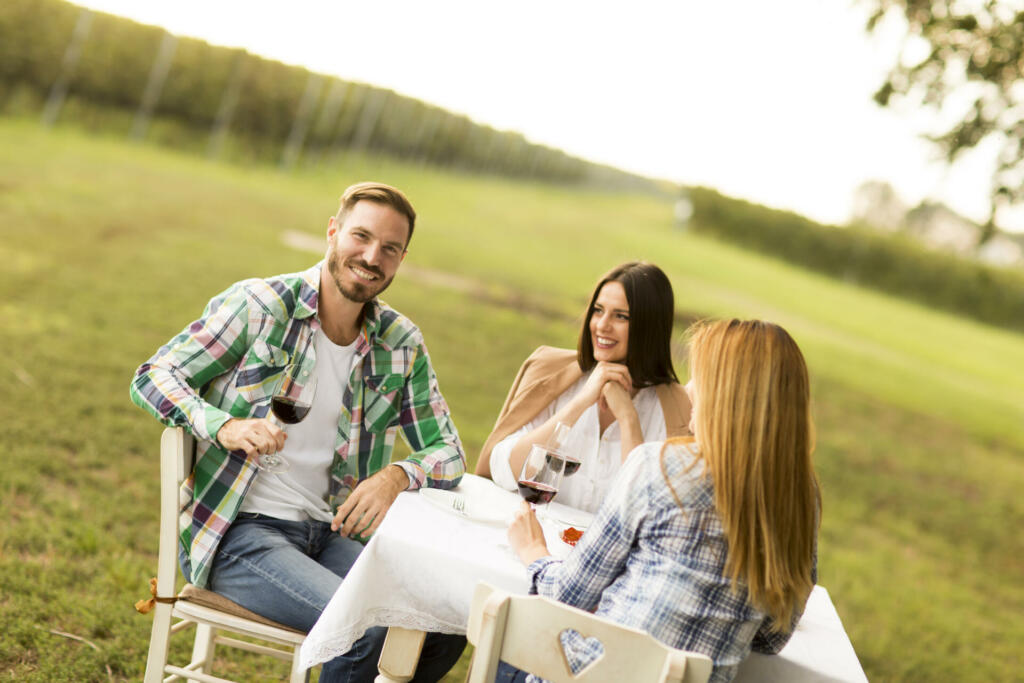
{"points": [[616, 390]]}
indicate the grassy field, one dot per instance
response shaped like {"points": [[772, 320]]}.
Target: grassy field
{"points": [[108, 249]]}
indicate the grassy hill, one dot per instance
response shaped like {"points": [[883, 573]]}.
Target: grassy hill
{"points": [[109, 248]]}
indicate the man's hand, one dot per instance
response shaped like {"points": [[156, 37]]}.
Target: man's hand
{"points": [[255, 436], [364, 510], [526, 536]]}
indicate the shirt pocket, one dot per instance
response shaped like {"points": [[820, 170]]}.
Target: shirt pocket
{"points": [[260, 372], [382, 401]]}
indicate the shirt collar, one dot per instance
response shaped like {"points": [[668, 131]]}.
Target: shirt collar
{"points": [[309, 292], [371, 324]]}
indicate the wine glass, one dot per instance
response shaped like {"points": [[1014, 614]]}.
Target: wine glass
{"points": [[541, 475], [289, 405], [558, 445], [557, 442]]}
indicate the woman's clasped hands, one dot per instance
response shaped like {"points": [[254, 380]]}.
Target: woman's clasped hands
{"points": [[609, 378]]}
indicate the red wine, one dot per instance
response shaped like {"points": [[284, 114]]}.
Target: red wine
{"points": [[289, 410], [535, 492], [571, 465]]}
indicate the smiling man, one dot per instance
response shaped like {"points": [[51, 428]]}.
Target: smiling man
{"points": [[280, 542]]}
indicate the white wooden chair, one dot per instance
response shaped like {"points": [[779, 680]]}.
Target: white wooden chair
{"points": [[524, 630], [209, 612]]}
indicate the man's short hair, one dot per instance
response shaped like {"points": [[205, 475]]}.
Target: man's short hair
{"points": [[380, 194]]}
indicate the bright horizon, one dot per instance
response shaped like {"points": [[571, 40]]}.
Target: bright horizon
{"points": [[769, 102]]}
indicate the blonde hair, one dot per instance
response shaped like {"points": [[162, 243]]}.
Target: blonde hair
{"points": [[754, 428]]}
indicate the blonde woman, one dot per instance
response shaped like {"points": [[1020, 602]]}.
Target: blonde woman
{"points": [[707, 543]]}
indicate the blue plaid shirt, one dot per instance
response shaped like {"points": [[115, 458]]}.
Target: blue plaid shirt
{"points": [[647, 564]]}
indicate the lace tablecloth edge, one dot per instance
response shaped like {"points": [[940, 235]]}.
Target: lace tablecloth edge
{"points": [[341, 640]]}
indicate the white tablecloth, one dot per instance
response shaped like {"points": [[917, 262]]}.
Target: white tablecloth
{"points": [[420, 568], [819, 650]]}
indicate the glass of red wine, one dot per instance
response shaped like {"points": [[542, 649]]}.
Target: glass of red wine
{"points": [[541, 475], [557, 446], [289, 405]]}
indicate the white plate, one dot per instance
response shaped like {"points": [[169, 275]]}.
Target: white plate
{"points": [[474, 508]]}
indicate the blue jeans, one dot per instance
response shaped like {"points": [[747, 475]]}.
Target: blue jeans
{"points": [[507, 673], [288, 571]]}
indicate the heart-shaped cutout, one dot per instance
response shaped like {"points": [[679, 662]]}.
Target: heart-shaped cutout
{"points": [[579, 652]]}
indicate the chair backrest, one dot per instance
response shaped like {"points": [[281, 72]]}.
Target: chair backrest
{"points": [[177, 455], [525, 631]]}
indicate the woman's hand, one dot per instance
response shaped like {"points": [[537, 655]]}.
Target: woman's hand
{"points": [[526, 536], [620, 403], [605, 373]]}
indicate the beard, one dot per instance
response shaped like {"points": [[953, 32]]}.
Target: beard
{"points": [[356, 291]]}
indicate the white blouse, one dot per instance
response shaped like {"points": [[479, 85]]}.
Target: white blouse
{"points": [[600, 455]]}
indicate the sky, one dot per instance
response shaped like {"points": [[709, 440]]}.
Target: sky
{"points": [[769, 102]]}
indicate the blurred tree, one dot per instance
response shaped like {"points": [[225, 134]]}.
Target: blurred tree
{"points": [[877, 205], [974, 54]]}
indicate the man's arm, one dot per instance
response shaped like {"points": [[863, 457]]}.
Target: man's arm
{"points": [[166, 385], [437, 460]]}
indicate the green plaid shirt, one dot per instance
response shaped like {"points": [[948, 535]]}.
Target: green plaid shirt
{"points": [[227, 364]]}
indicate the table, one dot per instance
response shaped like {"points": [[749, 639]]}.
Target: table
{"points": [[418, 572]]}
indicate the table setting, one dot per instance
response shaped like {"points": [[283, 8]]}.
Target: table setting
{"points": [[419, 569], [418, 573]]}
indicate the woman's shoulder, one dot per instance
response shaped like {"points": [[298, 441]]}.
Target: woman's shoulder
{"points": [[551, 354], [674, 463], [682, 450], [545, 362], [675, 407]]}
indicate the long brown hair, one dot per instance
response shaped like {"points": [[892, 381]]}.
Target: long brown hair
{"points": [[753, 424], [651, 312]]}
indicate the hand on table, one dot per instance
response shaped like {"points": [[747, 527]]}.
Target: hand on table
{"points": [[364, 510], [526, 536], [254, 436]]}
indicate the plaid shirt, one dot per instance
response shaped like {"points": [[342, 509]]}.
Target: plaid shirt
{"points": [[228, 363], [647, 564]]}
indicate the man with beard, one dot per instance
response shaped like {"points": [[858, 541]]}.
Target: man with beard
{"points": [[279, 543]]}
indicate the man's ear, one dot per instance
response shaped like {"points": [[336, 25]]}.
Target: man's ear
{"points": [[332, 227]]}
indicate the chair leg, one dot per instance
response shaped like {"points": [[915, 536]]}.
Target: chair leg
{"points": [[297, 675], [202, 648], [400, 655], [159, 641]]}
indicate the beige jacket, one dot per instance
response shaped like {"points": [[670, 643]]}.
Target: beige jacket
{"points": [[543, 377]]}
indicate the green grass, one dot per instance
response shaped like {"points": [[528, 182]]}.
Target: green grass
{"points": [[109, 248]]}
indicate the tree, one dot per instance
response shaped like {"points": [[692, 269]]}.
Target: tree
{"points": [[975, 54], [876, 204]]}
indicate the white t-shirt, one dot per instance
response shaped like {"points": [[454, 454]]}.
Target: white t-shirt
{"points": [[301, 492], [600, 455]]}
